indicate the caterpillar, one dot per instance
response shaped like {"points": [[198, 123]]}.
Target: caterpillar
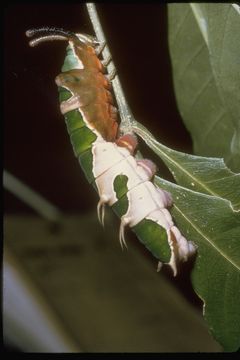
{"points": [[108, 157]]}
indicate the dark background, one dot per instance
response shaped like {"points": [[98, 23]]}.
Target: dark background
{"points": [[37, 149]]}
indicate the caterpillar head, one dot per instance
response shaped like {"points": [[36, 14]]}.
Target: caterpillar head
{"points": [[51, 34], [80, 52]]}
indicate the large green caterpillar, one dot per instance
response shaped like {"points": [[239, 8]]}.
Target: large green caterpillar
{"points": [[107, 158]]}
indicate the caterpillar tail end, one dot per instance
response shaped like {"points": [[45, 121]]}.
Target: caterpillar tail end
{"points": [[181, 249]]}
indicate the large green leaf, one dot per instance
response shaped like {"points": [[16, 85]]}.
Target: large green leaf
{"points": [[210, 217], [210, 222], [202, 174], [205, 54]]}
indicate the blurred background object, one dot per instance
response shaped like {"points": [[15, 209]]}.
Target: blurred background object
{"points": [[28, 322], [104, 299]]}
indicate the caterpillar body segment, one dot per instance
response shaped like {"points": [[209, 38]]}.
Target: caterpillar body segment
{"points": [[107, 159]]}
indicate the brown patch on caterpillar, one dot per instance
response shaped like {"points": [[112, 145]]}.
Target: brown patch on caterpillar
{"points": [[87, 83], [87, 54], [73, 79], [91, 88], [103, 118], [94, 99]]}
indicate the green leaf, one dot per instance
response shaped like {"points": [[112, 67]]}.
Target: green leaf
{"points": [[210, 222], [202, 174], [205, 53]]}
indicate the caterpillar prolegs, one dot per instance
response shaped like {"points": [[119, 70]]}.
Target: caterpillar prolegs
{"points": [[106, 157]]}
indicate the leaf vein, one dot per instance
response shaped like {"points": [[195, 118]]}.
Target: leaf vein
{"points": [[213, 124], [180, 26], [194, 55], [222, 178], [199, 93], [223, 40]]}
